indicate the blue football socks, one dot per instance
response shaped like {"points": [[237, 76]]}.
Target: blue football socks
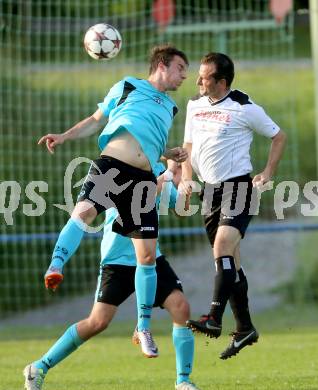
{"points": [[145, 286], [67, 243], [183, 342], [64, 346]]}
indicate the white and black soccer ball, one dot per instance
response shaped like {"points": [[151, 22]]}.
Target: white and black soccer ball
{"points": [[102, 41]]}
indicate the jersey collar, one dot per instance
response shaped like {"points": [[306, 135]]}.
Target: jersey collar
{"points": [[219, 101]]}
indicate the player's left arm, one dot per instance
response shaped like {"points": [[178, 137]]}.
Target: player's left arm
{"points": [[275, 154], [259, 121]]}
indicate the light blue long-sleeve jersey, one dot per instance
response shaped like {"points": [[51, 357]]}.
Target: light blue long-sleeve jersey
{"points": [[135, 105], [117, 249]]}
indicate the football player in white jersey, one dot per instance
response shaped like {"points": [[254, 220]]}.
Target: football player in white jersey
{"points": [[219, 130]]}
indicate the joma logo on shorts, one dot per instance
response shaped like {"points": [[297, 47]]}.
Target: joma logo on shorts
{"points": [[147, 229]]}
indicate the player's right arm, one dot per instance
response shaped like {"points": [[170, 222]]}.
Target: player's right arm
{"points": [[185, 185], [84, 128], [186, 177]]}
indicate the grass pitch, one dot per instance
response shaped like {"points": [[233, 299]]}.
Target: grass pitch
{"points": [[285, 358]]}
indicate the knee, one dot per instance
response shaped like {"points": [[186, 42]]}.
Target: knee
{"points": [[148, 259], [181, 312], [223, 246], [97, 325], [184, 309], [85, 212]]}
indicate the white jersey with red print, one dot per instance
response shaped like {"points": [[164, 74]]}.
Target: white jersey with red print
{"points": [[221, 134]]}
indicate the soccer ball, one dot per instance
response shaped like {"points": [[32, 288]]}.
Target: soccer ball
{"points": [[102, 41]]}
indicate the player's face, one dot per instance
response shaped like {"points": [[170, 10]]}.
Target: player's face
{"points": [[208, 85], [175, 73]]}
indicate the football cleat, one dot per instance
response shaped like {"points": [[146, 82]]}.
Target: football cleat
{"points": [[53, 278], [34, 377], [239, 341], [147, 344], [186, 386], [206, 325], [135, 338]]}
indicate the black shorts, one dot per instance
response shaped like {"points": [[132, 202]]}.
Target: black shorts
{"points": [[117, 282], [132, 191], [228, 203]]}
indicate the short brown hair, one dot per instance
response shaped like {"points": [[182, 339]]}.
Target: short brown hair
{"points": [[164, 53], [224, 66]]}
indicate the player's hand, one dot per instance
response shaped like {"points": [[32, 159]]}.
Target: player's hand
{"points": [[176, 169], [261, 179], [185, 189], [51, 140], [177, 154], [53, 278]]}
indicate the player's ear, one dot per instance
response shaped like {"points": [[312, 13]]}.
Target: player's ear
{"points": [[223, 83], [161, 66]]}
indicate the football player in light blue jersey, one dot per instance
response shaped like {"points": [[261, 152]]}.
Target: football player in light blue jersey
{"points": [[136, 116], [115, 285], [129, 105], [117, 249]]}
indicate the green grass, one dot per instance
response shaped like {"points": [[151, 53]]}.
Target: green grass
{"points": [[285, 358]]}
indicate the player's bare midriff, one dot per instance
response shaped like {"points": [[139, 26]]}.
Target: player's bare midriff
{"points": [[125, 148]]}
